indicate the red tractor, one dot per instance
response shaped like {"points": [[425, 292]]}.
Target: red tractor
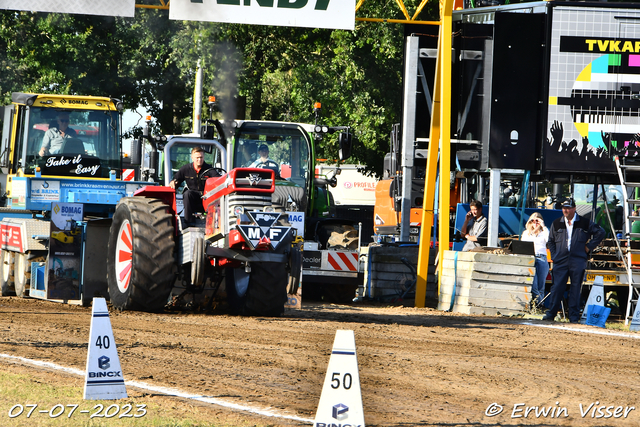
{"points": [[153, 258]]}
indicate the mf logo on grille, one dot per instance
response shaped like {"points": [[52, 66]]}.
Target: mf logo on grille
{"points": [[254, 179]]}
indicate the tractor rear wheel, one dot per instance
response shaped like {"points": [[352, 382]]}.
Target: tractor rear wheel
{"points": [[6, 272], [141, 265]]}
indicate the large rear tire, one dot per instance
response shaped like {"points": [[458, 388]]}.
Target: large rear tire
{"points": [[6, 272], [141, 265]]}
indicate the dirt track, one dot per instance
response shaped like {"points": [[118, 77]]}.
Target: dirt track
{"points": [[418, 367]]}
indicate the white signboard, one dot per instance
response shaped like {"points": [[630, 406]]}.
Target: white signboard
{"points": [[353, 188], [45, 191], [85, 7], [333, 14], [296, 219]]}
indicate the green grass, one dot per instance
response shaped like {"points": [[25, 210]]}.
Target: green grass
{"points": [[20, 389]]}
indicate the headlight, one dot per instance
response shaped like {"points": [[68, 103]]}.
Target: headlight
{"points": [[238, 210]]}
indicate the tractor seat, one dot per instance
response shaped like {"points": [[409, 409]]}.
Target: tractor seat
{"points": [[72, 146]]}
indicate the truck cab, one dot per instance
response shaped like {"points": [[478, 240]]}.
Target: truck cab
{"points": [[89, 147]]}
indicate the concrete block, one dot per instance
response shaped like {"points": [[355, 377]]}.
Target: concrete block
{"points": [[492, 258], [489, 277], [490, 268]]}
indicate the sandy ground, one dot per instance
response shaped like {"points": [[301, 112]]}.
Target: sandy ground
{"points": [[418, 367]]}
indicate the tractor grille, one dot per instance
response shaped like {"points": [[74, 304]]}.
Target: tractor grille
{"points": [[252, 179], [250, 202]]}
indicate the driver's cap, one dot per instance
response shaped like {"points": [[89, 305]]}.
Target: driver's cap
{"points": [[263, 147]]}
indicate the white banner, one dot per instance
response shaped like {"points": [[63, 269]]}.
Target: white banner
{"points": [[332, 14], [85, 7]]}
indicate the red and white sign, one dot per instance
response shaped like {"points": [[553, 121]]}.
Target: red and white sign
{"points": [[128, 174], [342, 261], [11, 237]]}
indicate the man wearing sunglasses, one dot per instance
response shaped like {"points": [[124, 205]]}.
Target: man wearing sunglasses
{"points": [[55, 136]]}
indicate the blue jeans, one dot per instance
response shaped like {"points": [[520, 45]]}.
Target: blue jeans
{"points": [[540, 279]]}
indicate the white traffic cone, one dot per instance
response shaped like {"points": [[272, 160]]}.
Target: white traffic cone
{"points": [[596, 297], [104, 380], [341, 398]]}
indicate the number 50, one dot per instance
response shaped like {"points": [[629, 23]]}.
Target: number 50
{"points": [[346, 380]]}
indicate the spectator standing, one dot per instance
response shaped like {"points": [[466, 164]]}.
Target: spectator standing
{"points": [[536, 232], [571, 239]]}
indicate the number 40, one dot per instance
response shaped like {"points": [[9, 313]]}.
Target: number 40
{"points": [[346, 380]]}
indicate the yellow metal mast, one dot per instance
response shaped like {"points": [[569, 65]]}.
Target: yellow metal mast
{"points": [[439, 136]]}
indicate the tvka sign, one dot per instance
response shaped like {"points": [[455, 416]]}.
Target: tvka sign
{"points": [[333, 14]]}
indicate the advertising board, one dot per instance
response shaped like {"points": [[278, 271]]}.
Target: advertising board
{"points": [[84, 7], [332, 14]]}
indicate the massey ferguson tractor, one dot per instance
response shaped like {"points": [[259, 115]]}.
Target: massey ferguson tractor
{"points": [[153, 257], [258, 214]]}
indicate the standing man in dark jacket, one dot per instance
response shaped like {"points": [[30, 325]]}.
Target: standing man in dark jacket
{"points": [[195, 174], [571, 240]]}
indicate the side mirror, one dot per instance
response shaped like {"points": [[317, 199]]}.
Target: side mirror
{"points": [[344, 144], [7, 124], [136, 152], [207, 132]]}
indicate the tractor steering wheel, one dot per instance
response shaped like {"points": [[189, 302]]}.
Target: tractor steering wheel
{"points": [[270, 164], [220, 172]]}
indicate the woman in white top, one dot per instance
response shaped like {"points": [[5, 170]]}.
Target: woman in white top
{"points": [[537, 233]]}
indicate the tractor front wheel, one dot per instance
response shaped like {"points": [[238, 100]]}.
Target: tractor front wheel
{"points": [[140, 261]]}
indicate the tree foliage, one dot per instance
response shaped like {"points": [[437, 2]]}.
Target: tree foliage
{"points": [[258, 72]]}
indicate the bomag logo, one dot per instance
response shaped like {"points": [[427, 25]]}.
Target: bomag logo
{"points": [[281, 4], [78, 102]]}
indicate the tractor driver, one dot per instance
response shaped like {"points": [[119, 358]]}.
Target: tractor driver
{"points": [[54, 137], [194, 174], [263, 157]]}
